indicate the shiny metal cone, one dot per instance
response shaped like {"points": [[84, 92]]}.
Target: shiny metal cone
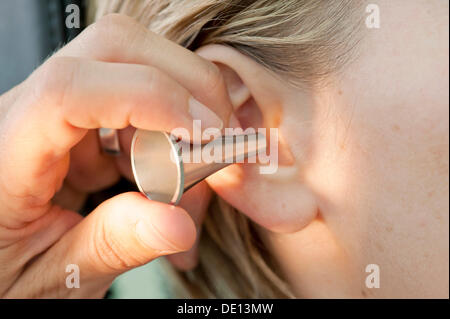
{"points": [[165, 167]]}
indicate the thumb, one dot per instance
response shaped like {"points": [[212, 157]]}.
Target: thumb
{"points": [[124, 232], [128, 231]]}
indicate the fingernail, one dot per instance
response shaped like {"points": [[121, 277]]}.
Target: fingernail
{"points": [[207, 117]]}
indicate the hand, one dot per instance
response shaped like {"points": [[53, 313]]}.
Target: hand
{"points": [[116, 74]]}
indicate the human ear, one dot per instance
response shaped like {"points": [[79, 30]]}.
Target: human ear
{"points": [[280, 201]]}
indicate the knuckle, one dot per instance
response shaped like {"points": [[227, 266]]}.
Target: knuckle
{"points": [[55, 79]]}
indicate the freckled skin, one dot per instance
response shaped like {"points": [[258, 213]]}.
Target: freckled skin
{"points": [[372, 157]]}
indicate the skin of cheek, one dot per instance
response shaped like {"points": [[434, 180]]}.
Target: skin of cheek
{"points": [[372, 161], [377, 165], [380, 187], [313, 262], [383, 174]]}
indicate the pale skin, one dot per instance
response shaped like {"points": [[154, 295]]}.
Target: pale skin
{"points": [[50, 159], [368, 178], [363, 176]]}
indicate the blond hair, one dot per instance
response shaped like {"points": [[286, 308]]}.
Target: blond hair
{"points": [[302, 41]]}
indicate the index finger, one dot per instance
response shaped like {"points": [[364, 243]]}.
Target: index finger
{"points": [[118, 38]]}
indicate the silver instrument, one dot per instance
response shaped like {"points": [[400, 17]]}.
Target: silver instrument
{"points": [[164, 167]]}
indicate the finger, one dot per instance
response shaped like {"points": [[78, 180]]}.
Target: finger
{"points": [[71, 96], [122, 233], [118, 38], [92, 94], [21, 245], [195, 202], [127, 231]]}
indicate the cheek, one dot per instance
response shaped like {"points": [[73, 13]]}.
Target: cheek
{"points": [[381, 166], [381, 176], [382, 188]]}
